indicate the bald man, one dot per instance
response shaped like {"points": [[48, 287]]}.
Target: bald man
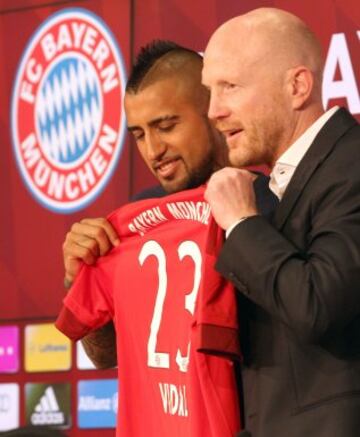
{"points": [[299, 276]]}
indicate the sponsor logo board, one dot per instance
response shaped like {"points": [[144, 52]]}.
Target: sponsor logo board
{"points": [[97, 403], [46, 349], [9, 406], [83, 362], [48, 404], [9, 349]]}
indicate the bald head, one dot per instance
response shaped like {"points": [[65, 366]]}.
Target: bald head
{"points": [[264, 72], [272, 36]]}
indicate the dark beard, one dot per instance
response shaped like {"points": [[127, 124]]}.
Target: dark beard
{"points": [[202, 174]]}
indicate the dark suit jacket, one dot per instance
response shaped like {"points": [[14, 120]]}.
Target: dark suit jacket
{"points": [[299, 278]]}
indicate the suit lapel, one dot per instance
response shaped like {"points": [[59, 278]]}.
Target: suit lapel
{"points": [[323, 144]]}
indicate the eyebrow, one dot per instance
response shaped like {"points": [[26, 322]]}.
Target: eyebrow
{"points": [[155, 121]]}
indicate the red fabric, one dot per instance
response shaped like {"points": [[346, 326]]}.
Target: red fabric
{"points": [[70, 325], [148, 286], [216, 315]]}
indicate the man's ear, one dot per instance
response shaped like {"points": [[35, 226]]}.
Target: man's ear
{"points": [[300, 85]]}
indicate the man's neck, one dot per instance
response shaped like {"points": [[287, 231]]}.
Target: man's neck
{"points": [[302, 122]]}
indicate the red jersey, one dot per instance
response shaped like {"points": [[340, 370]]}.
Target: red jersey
{"points": [[168, 304]]}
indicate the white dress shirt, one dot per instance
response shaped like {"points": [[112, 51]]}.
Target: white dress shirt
{"points": [[285, 166]]}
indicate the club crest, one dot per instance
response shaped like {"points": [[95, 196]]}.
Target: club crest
{"points": [[68, 122]]}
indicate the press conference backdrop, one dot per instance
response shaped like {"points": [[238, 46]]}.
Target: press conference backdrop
{"points": [[65, 155]]}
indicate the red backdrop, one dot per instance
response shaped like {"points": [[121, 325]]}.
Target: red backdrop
{"points": [[31, 271]]}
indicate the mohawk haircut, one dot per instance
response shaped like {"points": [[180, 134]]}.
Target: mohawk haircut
{"points": [[149, 55]]}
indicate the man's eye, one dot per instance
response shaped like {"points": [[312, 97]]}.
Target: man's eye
{"points": [[138, 135], [166, 127], [229, 86]]}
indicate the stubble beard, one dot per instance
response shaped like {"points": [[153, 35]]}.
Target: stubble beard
{"points": [[211, 161], [260, 144], [214, 160], [193, 178], [202, 173]]}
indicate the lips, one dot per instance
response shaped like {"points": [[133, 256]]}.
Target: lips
{"points": [[231, 135], [167, 168]]}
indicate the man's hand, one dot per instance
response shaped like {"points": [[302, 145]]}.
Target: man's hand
{"points": [[86, 241], [231, 195]]}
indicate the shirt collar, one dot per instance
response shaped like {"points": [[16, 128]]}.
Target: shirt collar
{"points": [[285, 166]]}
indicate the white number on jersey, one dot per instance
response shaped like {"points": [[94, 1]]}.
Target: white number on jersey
{"points": [[186, 248]]}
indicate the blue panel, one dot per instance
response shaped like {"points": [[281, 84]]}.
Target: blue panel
{"points": [[97, 403]]}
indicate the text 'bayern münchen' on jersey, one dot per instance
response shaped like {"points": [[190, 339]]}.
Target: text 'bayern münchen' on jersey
{"points": [[175, 319]]}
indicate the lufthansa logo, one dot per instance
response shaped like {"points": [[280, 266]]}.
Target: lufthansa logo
{"points": [[68, 124]]}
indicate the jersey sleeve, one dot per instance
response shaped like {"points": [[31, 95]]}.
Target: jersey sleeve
{"points": [[87, 306], [216, 331]]}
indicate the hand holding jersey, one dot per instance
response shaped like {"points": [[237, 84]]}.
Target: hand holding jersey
{"points": [[85, 242], [168, 303], [230, 192]]}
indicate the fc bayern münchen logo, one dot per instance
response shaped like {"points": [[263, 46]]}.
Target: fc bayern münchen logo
{"points": [[68, 124]]}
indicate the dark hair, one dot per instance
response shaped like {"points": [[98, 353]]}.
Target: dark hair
{"points": [[147, 57]]}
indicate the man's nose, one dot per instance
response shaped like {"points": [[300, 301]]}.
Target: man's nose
{"points": [[217, 108], [155, 147]]}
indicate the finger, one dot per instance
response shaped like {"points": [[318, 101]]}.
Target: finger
{"points": [[92, 236], [107, 227], [74, 257], [249, 174], [77, 252], [73, 241], [93, 245]]}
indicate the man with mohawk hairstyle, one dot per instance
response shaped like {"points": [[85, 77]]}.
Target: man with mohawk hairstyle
{"points": [[166, 110]]}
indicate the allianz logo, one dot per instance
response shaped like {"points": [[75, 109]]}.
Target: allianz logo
{"points": [[6, 351], [47, 411], [93, 403]]}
